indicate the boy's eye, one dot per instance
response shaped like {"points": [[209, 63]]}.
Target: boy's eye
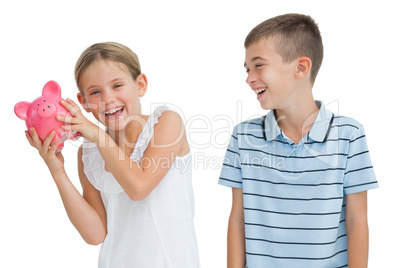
{"points": [[118, 85]]}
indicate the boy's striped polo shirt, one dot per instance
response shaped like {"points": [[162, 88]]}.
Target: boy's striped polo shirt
{"points": [[294, 194]]}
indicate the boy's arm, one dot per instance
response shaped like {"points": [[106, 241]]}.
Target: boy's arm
{"points": [[357, 229], [236, 255]]}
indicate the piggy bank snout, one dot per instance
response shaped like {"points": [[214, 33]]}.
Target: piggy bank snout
{"points": [[46, 110]]}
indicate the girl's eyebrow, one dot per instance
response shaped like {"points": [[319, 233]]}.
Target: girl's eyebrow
{"points": [[116, 79], [111, 82], [90, 87]]}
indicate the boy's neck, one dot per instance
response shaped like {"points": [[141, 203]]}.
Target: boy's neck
{"points": [[297, 118]]}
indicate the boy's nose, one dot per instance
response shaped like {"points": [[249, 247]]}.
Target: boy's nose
{"points": [[250, 78]]}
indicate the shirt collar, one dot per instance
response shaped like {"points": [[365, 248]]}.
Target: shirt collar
{"points": [[319, 132], [270, 126], [322, 124]]}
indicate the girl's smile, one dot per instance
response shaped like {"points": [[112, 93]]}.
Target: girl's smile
{"points": [[111, 93]]}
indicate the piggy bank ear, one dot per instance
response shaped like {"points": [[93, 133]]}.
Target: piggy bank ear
{"points": [[21, 108], [52, 87]]}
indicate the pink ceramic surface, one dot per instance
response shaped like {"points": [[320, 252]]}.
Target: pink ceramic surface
{"points": [[41, 114]]}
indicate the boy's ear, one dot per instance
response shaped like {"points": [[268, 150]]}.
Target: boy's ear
{"points": [[303, 67], [82, 100], [142, 82]]}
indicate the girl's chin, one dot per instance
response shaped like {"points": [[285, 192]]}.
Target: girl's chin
{"points": [[115, 125]]}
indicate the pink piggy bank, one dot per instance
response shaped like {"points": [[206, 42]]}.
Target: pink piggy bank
{"points": [[41, 114]]}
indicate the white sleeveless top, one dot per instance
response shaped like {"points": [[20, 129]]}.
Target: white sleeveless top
{"points": [[156, 232]]}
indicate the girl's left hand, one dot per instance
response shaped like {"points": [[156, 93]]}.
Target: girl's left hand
{"points": [[78, 122]]}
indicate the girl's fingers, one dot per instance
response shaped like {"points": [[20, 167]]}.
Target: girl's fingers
{"points": [[66, 104], [29, 138], [54, 145], [65, 119], [71, 106], [69, 127], [35, 138], [48, 140]]}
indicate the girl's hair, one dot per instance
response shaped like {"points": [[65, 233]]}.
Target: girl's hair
{"points": [[107, 51]]}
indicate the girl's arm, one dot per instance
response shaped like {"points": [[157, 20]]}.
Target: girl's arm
{"points": [[87, 213], [94, 229], [357, 230], [137, 179], [236, 253]]}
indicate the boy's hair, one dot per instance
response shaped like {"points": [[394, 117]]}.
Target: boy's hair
{"points": [[107, 51], [294, 35]]}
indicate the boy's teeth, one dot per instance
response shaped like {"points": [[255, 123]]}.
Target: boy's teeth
{"points": [[260, 90], [113, 110]]}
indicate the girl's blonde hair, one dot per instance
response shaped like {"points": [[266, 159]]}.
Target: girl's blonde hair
{"points": [[107, 51]]}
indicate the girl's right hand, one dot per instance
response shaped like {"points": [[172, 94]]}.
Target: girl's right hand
{"points": [[47, 151]]}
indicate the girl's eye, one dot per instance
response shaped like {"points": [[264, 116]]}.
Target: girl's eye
{"points": [[94, 92], [118, 85]]}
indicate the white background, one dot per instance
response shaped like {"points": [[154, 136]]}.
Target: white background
{"points": [[192, 53]]}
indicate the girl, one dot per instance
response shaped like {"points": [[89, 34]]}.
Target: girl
{"points": [[137, 193]]}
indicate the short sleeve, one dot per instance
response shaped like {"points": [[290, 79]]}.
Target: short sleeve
{"points": [[359, 172], [231, 168], [94, 169]]}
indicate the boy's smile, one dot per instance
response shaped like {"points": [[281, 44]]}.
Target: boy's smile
{"points": [[260, 91], [268, 76]]}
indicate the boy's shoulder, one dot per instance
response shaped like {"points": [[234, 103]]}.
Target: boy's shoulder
{"points": [[347, 126], [256, 122], [250, 124], [345, 120]]}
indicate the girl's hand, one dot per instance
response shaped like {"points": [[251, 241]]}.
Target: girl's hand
{"points": [[47, 151], [78, 122]]}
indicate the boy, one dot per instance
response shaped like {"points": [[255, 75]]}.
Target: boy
{"points": [[300, 174]]}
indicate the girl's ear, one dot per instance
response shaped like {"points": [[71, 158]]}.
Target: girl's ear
{"points": [[142, 82], [303, 67], [83, 101]]}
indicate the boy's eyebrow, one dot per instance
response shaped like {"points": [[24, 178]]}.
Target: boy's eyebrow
{"points": [[254, 59]]}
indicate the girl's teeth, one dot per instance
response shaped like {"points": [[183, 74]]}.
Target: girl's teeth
{"points": [[113, 110]]}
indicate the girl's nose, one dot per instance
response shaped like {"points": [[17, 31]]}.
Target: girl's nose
{"points": [[108, 97]]}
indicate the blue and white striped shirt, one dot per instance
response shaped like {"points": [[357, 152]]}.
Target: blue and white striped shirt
{"points": [[294, 194]]}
